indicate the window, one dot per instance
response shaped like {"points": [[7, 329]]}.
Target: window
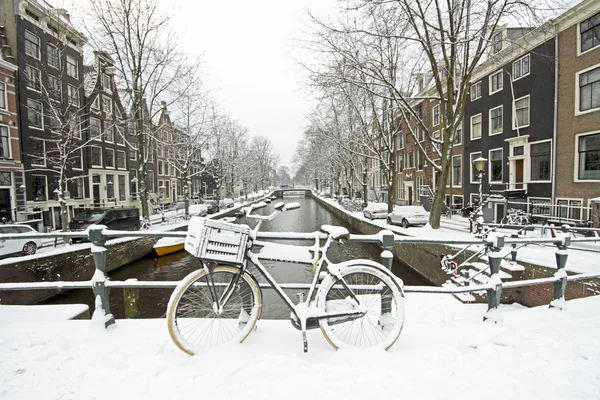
{"points": [[496, 82], [457, 171], [409, 160], [400, 162], [73, 95], [400, 141], [590, 33], [122, 193], [95, 129], [420, 134], [4, 142], [106, 82], [540, 161], [75, 125], [567, 208], [96, 103], [168, 189], [32, 14], [521, 117], [109, 162], [420, 160], [107, 105], [53, 56], [120, 159], [54, 86], [457, 136], [34, 78], [110, 186], [35, 114], [77, 160], [150, 180], [474, 172], [588, 148], [133, 154], [32, 45], [3, 95], [436, 139], [79, 188], [72, 69], [38, 152], [497, 43], [96, 153], [495, 165], [457, 201], [436, 115], [475, 91], [589, 90], [496, 121], [109, 135], [160, 167], [476, 127], [518, 150], [400, 188], [120, 136], [38, 187], [520, 67]]}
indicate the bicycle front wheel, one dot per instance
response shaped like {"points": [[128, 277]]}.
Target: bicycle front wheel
{"points": [[194, 320], [378, 294]]}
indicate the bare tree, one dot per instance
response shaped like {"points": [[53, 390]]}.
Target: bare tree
{"points": [[149, 62]]}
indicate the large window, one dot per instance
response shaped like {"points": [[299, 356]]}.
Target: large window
{"points": [[3, 95], [109, 134], [590, 33], [96, 153], [496, 120], [54, 87], [53, 56], [122, 193], [107, 105], [35, 114], [475, 91], [521, 117], [34, 78], [109, 162], [120, 159], [95, 128], [476, 127], [495, 165], [38, 152], [73, 95], [589, 90], [457, 171], [436, 115], [496, 82], [540, 160], [588, 147], [521, 67], [400, 143], [400, 188], [77, 160], [474, 172], [79, 188], [72, 68], [32, 45], [4, 142], [38, 187]]}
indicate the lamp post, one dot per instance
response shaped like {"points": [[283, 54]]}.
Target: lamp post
{"points": [[479, 167]]}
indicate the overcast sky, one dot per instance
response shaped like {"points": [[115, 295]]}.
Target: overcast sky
{"points": [[249, 61]]}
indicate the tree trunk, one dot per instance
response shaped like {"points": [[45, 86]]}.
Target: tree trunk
{"points": [[438, 201]]}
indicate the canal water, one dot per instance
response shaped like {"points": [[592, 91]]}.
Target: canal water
{"points": [[152, 303]]}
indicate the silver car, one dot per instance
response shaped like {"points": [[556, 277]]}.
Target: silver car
{"points": [[18, 246], [408, 215]]}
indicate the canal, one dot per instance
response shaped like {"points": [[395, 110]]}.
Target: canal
{"points": [[152, 303]]}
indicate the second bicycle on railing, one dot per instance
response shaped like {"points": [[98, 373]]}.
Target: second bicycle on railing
{"points": [[356, 303]]}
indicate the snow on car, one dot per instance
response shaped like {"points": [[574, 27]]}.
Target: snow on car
{"points": [[18, 246], [408, 215], [376, 210]]}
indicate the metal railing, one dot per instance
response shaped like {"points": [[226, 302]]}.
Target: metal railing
{"points": [[101, 284]]}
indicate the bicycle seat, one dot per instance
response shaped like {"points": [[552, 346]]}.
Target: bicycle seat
{"points": [[336, 232]]}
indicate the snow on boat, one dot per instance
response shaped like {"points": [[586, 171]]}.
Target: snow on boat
{"points": [[169, 245]]}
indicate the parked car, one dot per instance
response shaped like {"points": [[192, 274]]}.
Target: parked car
{"points": [[227, 203], [121, 219], [376, 210], [211, 205], [16, 246], [408, 215], [198, 210]]}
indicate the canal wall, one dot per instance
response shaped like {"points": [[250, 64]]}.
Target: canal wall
{"points": [[424, 259]]}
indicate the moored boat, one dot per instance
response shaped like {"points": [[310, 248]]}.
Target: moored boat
{"points": [[169, 245]]}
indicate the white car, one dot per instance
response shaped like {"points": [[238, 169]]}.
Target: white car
{"points": [[16, 246], [408, 215], [197, 210], [376, 210]]}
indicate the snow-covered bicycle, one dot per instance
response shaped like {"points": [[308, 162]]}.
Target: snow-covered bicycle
{"points": [[356, 303]]}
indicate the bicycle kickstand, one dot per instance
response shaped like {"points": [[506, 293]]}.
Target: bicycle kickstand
{"points": [[303, 325]]}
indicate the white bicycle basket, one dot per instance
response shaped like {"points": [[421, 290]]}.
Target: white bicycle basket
{"points": [[217, 241]]}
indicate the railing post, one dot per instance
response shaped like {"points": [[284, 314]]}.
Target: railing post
{"points": [[494, 292], [102, 312], [560, 286], [131, 297], [387, 244], [513, 250]]}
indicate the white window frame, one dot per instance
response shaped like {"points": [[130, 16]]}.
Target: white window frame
{"points": [[41, 113], [520, 61], [99, 135], [576, 157], [38, 75], [500, 81], [578, 94], [33, 159], [489, 167], [92, 158], [80, 160], [455, 196], [437, 116], [514, 118], [124, 159], [105, 81], [480, 129], [531, 163], [475, 85], [45, 186], [3, 97], [96, 103], [106, 100], [8, 141], [48, 46], [458, 134], [73, 101], [114, 160], [579, 52], [490, 125], [473, 179], [461, 171], [69, 65], [110, 131], [39, 43]]}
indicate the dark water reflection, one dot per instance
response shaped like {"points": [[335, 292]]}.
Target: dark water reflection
{"points": [[152, 303]]}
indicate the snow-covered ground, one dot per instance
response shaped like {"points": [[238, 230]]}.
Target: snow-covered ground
{"points": [[444, 352]]}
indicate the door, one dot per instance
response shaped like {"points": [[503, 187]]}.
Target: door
{"points": [[499, 212], [518, 174], [5, 210]]}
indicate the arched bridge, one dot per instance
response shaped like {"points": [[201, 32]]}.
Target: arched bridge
{"points": [[300, 190]]}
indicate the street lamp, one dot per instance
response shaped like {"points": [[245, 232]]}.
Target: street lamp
{"points": [[479, 167]]}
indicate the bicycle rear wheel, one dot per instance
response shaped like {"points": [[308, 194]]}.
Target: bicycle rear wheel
{"points": [[194, 323], [383, 302]]}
